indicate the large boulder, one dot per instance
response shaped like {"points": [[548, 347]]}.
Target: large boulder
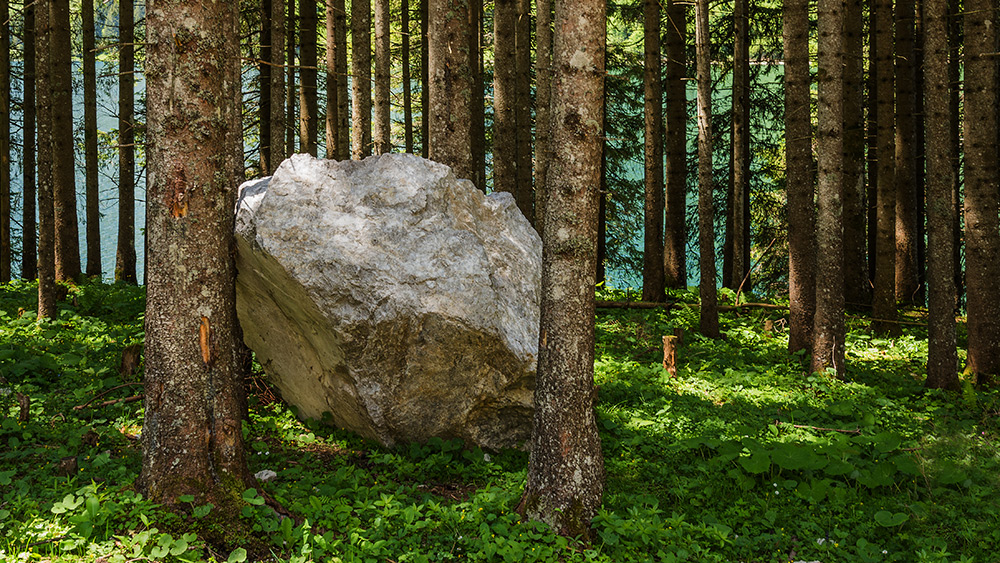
{"points": [[400, 300]]}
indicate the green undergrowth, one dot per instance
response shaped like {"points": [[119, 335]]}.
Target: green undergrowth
{"points": [[742, 456]]}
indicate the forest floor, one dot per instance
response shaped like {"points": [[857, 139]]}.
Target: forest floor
{"points": [[742, 456]]}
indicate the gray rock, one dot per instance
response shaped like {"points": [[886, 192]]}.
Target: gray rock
{"points": [[400, 300]]}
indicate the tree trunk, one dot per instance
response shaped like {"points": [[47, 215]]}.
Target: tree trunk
{"points": [[343, 99], [855, 266], [46, 217], [706, 213], [942, 358], [290, 90], [361, 79], [954, 79], [308, 106], [478, 124], [277, 119], [800, 181], [425, 80], [920, 155], [884, 293], [407, 87], [543, 99], [871, 142], [504, 118], [194, 404], [5, 255], [90, 142], [982, 231], [29, 227], [828, 324], [380, 124], [906, 195], [450, 112], [653, 286], [63, 145], [264, 86], [522, 104], [738, 217], [125, 259], [566, 469], [675, 148]]}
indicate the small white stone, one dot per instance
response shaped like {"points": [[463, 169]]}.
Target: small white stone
{"points": [[265, 475]]}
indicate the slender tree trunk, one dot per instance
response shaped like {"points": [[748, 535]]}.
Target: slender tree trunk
{"points": [[343, 99], [504, 117], [407, 86], [800, 180], [451, 86], [884, 296], [871, 142], [675, 148], [855, 266], [543, 100], [906, 196], [29, 228], [90, 141], [920, 155], [125, 259], [478, 125], [63, 146], [425, 80], [954, 80], [308, 105], [290, 90], [828, 324], [380, 124], [264, 86], [522, 112], [5, 256], [277, 85], [361, 79], [706, 214], [46, 216], [982, 228], [942, 358], [566, 469], [653, 285], [737, 220]]}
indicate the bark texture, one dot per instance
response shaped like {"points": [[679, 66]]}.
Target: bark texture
{"points": [[425, 81], [264, 86], [566, 467], [450, 112], [653, 286], [504, 77], [46, 217], [4, 143], [380, 123], [63, 145], [706, 214], [906, 152], [343, 124], [90, 142], [194, 405], [856, 287], [407, 86], [477, 128], [828, 324], [522, 104], [125, 259], [736, 262], [29, 254], [308, 105], [543, 99], [884, 292], [361, 79], [277, 85], [675, 147]]}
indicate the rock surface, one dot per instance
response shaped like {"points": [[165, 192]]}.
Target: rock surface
{"points": [[400, 300]]}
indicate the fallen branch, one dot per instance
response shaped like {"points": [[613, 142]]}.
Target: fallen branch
{"points": [[131, 399], [855, 431], [103, 393], [633, 305]]}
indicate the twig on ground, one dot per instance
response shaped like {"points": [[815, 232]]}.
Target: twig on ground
{"points": [[103, 393], [806, 426]]}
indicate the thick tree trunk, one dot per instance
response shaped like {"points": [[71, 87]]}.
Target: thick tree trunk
{"points": [[871, 141], [450, 112], [90, 141], [5, 255], [308, 106], [343, 99], [425, 81], [828, 324], [361, 79], [522, 104], [954, 80], [543, 99], [125, 259], [653, 286], [380, 123], [407, 86], [194, 405], [675, 147], [504, 118], [29, 227], [478, 125], [277, 84], [982, 229], [738, 217], [942, 358], [264, 86], [290, 91], [884, 295], [63, 145], [906, 194], [706, 214], [855, 265], [566, 469], [46, 217]]}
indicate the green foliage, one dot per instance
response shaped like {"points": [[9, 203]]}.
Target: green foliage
{"points": [[740, 457]]}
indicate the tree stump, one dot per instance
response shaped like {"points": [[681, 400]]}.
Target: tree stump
{"points": [[670, 354]]}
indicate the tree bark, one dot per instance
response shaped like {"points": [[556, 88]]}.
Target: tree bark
{"points": [[884, 296], [706, 214], [380, 124], [5, 256], [653, 283], [942, 358], [906, 193], [855, 236], [478, 125], [543, 99], [954, 80], [738, 218], [361, 79], [308, 105], [504, 77], [90, 141], [566, 469], [277, 84], [675, 148], [828, 324], [194, 404], [125, 259], [450, 74], [290, 91], [46, 216], [982, 228], [871, 141], [63, 145], [407, 86], [29, 227], [425, 81], [264, 86], [522, 112]]}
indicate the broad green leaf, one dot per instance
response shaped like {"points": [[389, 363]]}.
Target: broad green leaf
{"points": [[890, 520], [238, 555]]}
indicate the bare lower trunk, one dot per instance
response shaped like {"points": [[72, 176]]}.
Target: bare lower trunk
{"points": [[277, 118], [477, 128], [46, 218], [855, 266], [653, 287], [906, 194], [675, 148], [380, 123], [4, 143], [884, 295], [29, 254], [63, 145], [90, 142], [407, 87], [361, 79], [504, 117], [425, 81], [125, 259], [738, 218], [706, 214], [264, 88], [308, 106], [450, 112], [543, 97], [522, 104]]}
